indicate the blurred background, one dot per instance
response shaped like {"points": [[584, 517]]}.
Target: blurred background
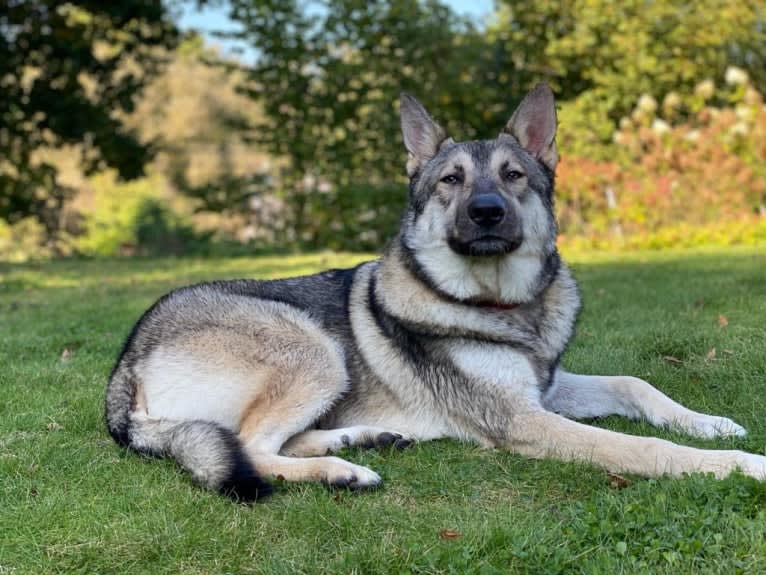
{"points": [[147, 127]]}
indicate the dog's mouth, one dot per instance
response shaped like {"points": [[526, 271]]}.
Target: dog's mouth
{"points": [[484, 246]]}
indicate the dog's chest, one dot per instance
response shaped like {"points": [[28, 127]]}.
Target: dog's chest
{"points": [[494, 365]]}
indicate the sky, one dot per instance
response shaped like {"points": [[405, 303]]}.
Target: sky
{"points": [[215, 18]]}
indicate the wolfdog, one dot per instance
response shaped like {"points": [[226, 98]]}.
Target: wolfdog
{"points": [[456, 331]]}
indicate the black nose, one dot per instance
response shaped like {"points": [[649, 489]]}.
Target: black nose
{"points": [[486, 210]]}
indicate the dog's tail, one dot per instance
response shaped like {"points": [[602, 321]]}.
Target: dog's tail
{"points": [[211, 453]]}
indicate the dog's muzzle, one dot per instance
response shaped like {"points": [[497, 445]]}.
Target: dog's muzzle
{"points": [[486, 226]]}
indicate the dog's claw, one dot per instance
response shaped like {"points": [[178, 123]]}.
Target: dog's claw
{"points": [[386, 439], [402, 443]]}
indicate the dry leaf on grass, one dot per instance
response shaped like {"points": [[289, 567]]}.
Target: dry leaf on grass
{"points": [[723, 321], [671, 359], [66, 354], [710, 355], [618, 481], [449, 534]]}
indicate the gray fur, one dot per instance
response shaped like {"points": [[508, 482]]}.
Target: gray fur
{"points": [[456, 331]]}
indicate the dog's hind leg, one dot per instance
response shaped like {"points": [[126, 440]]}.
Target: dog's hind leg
{"points": [[584, 396], [324, 441], [264, 447], [295, 399]]}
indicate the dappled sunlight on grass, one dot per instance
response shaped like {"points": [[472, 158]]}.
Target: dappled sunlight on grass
{"points": [[74, 502], [115, 272]]}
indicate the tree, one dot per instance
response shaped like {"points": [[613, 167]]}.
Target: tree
{"points": [[69, 70], [602, 56], [328, 76]]}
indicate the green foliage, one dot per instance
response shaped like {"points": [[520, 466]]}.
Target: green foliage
{"points": [[603, 55], [700, 180], [67, 69], [358, 217], [328, 76], [128, 219], [25, 239]]}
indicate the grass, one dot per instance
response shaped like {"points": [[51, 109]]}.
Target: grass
{"points": [[72, 502]]}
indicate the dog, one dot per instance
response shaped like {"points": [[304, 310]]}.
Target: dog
{"points": [[456, 331]]}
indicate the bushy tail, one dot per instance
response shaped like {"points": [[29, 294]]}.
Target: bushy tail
{"points": [[211, 453]]}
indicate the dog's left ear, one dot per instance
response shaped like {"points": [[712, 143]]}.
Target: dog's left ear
{"points": [[533, 124], [422, 136]]}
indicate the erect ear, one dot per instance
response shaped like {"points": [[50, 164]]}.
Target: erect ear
{"points": [[533, 124], [422, 136]]}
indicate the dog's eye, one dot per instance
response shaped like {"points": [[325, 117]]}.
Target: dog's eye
{"points": [[513, 175], [451, 179]]}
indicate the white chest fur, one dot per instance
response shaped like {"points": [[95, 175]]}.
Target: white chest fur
{"points": [[499, 366]]}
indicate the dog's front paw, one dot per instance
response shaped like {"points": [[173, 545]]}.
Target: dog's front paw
{"points": [[710, 426], [752, 465], [341, 473]]}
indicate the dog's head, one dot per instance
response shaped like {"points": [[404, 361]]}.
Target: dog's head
{"points": [[482, 209]]}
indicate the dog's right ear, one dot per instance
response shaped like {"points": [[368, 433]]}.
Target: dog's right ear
{"points": [[422, 136], [533, 124]]}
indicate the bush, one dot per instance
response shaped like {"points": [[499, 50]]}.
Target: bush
{"points": [[128, 218], [672, 178], [23, 240], [357, 217]]}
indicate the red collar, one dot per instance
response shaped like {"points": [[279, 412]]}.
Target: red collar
{"points": [[497, 305]]}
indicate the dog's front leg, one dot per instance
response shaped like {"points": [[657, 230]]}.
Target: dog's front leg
{"points": [[583, 396], [507, 409], [545, 434]]}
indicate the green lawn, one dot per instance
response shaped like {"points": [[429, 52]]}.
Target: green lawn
{"points": [[71, 501]]}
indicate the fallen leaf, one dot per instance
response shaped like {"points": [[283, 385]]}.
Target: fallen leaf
{"points": [[728, 351], [618, 481], [66, 354], [671, 359], [449, 534], [710, 355], [53, 426], [723, 321]]}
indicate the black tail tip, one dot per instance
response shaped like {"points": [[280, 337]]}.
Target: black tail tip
{"points": [[120, 435], [244, 485], [246, 489]]}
